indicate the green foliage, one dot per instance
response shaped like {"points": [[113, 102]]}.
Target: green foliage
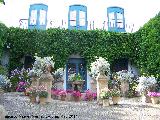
{"points": [[115, 93], [61, 44], [3, 70], [141, 47], [132, 89], [43, 94], [3, 32], [148, 59], [105, 95]]}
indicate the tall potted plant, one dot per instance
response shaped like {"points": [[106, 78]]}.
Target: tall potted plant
{"points": [[32, 92], [43, 94], [63, 95], [145, 83], [115, 94], [104, 95], [76, 95], [154, 97]]}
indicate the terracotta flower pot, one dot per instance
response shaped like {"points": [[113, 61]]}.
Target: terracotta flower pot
{"points": [[154, 100], [25, 93], [32, 99], [105, 102], [77, 98], [63, 97], [42, 100], [90, 98], [115, 100], [146, 99]]}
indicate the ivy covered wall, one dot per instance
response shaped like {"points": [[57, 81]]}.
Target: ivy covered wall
{"points": [[141, 47], [62, 43]]}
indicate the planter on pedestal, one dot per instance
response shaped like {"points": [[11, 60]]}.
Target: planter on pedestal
{"points": [[102, 83], [124, 88], [78, 85], [46, 80]]}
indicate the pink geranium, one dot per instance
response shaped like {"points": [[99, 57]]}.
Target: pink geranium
{"points": [[63, 93], [76, 94], [153, 94]]}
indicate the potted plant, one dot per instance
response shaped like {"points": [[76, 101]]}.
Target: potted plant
{"points": [[55, 93], [32, 92], [88, 95], [144, 85], [115, 94], [70, 95], [100, 66], [154, 97], [63, 95], [124, 77], [76, 95], [104, 95], [43, 94], [76, 81]]}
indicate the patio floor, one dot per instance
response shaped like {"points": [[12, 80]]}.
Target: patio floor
{"points": [[18, 106]]}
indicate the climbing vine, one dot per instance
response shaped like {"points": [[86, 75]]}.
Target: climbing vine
{"points": [[141, 47], [62, 43]]}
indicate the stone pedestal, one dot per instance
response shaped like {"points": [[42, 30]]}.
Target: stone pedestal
{"points": [[35, 81], [93, 85], [102, 83], [46, 81], [124, 88]]}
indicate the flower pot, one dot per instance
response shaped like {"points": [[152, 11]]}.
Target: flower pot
{"points": [[105, 102], [32, 99], [77, 98], [70, 97], [115, 100], [90, 98], [42, 100], [25, 93], [146, 99], [63, 97], [124, 88], [154, 100]]}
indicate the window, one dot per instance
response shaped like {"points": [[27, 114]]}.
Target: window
{"points": [[33, 17], [73, 18], [81, 18], [119, 20], [111, 20], [42, 18]]}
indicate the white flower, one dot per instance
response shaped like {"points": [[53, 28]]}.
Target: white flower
{"points": [[124, 75], [99, 66], [145, 83], [40, 65], [59, 73]]}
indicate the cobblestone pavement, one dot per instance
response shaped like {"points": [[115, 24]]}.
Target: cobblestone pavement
{"points": [[128, 109]]}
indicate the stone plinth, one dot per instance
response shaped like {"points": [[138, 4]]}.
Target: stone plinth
{"points": [[102, 83], [124, 88], [93, 85], [46, 81], [35, 82]]}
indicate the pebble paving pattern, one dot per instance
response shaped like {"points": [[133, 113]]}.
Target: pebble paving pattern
{"points": [[18, 106]]}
